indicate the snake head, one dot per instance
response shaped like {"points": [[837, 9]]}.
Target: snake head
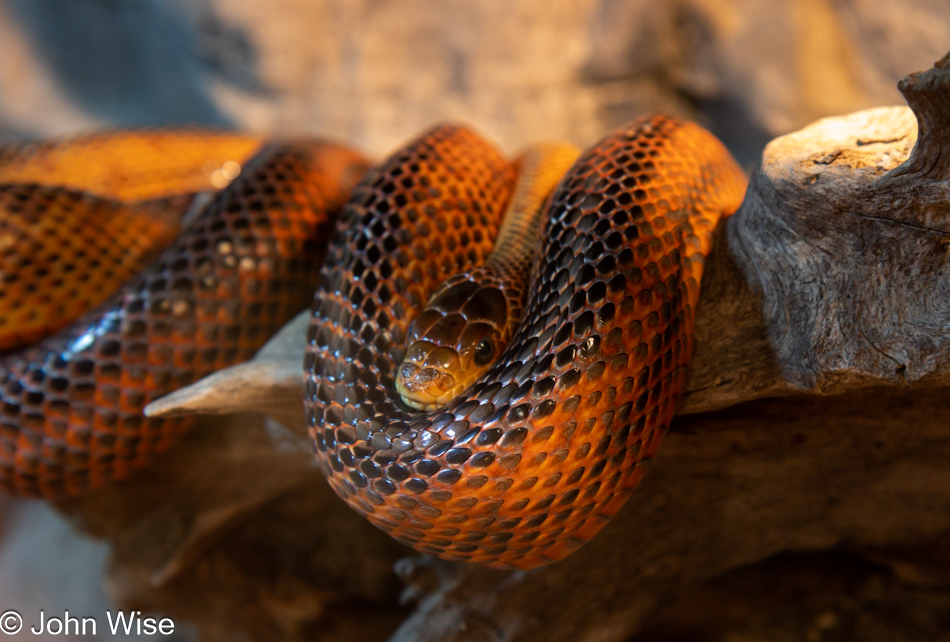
{"points": [[458, 336]]}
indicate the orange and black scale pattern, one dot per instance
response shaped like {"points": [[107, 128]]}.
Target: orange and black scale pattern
{"points": [[71, 406], [533, 460], [79, 216], [55, 261]]}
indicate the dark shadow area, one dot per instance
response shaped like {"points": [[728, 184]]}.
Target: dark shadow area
{"points": [[828, 596], [731, 122]]}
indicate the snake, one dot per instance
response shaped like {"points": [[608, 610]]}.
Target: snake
{"points": [[543, 449], [471, 318], [75, 216], [515, 466]]}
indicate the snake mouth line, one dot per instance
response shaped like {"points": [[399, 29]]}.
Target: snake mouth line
{"points": [[425, 387]]}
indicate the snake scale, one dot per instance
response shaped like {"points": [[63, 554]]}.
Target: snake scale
{"points": [[71, 405], [518, 470]]}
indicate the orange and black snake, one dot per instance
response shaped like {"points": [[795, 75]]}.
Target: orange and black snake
{"points": [[519, 469]]}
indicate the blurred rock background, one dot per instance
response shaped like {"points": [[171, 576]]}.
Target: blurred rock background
{"points": [[376, 72]]}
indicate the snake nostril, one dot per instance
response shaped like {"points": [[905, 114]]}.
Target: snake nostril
{"points": [[446, 381]]}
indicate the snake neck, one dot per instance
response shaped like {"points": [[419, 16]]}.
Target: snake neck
{"points": [[470, 320], [540, 167]]}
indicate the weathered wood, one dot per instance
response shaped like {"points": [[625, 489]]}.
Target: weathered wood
{"points": [[235, 532], [270, 384], [843, 239], [831, 277]]}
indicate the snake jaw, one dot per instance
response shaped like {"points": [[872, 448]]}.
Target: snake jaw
{"points": [[443, 356], [425, 379]]}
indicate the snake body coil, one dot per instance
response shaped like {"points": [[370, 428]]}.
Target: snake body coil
{"points": [[71, 405], [519, 470], [535, 458]]}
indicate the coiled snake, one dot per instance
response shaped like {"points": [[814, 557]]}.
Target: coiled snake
{"points": [[517, 471]]}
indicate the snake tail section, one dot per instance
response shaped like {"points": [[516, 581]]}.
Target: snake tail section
{"points": [[71, 405], [545, 448]]}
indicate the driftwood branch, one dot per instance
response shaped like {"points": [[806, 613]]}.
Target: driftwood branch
{"points": [[832, 279], [833, 275]]}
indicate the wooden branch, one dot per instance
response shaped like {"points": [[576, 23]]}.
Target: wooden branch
{"points": [[833, 274], [926, 92], [235, 532], [832, 279], [270, 384], [728, 489]]}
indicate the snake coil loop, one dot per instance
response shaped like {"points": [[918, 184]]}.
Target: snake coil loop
{"points": [[534, 459], [71, 405]]}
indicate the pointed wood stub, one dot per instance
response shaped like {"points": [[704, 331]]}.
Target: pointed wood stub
{"points": [[928, 95]]}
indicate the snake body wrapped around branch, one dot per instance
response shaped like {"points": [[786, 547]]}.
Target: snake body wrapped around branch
{"points": [[533, 460], [517, 471]]}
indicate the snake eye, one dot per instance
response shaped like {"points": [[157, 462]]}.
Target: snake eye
{"points": [[484, 351]]}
